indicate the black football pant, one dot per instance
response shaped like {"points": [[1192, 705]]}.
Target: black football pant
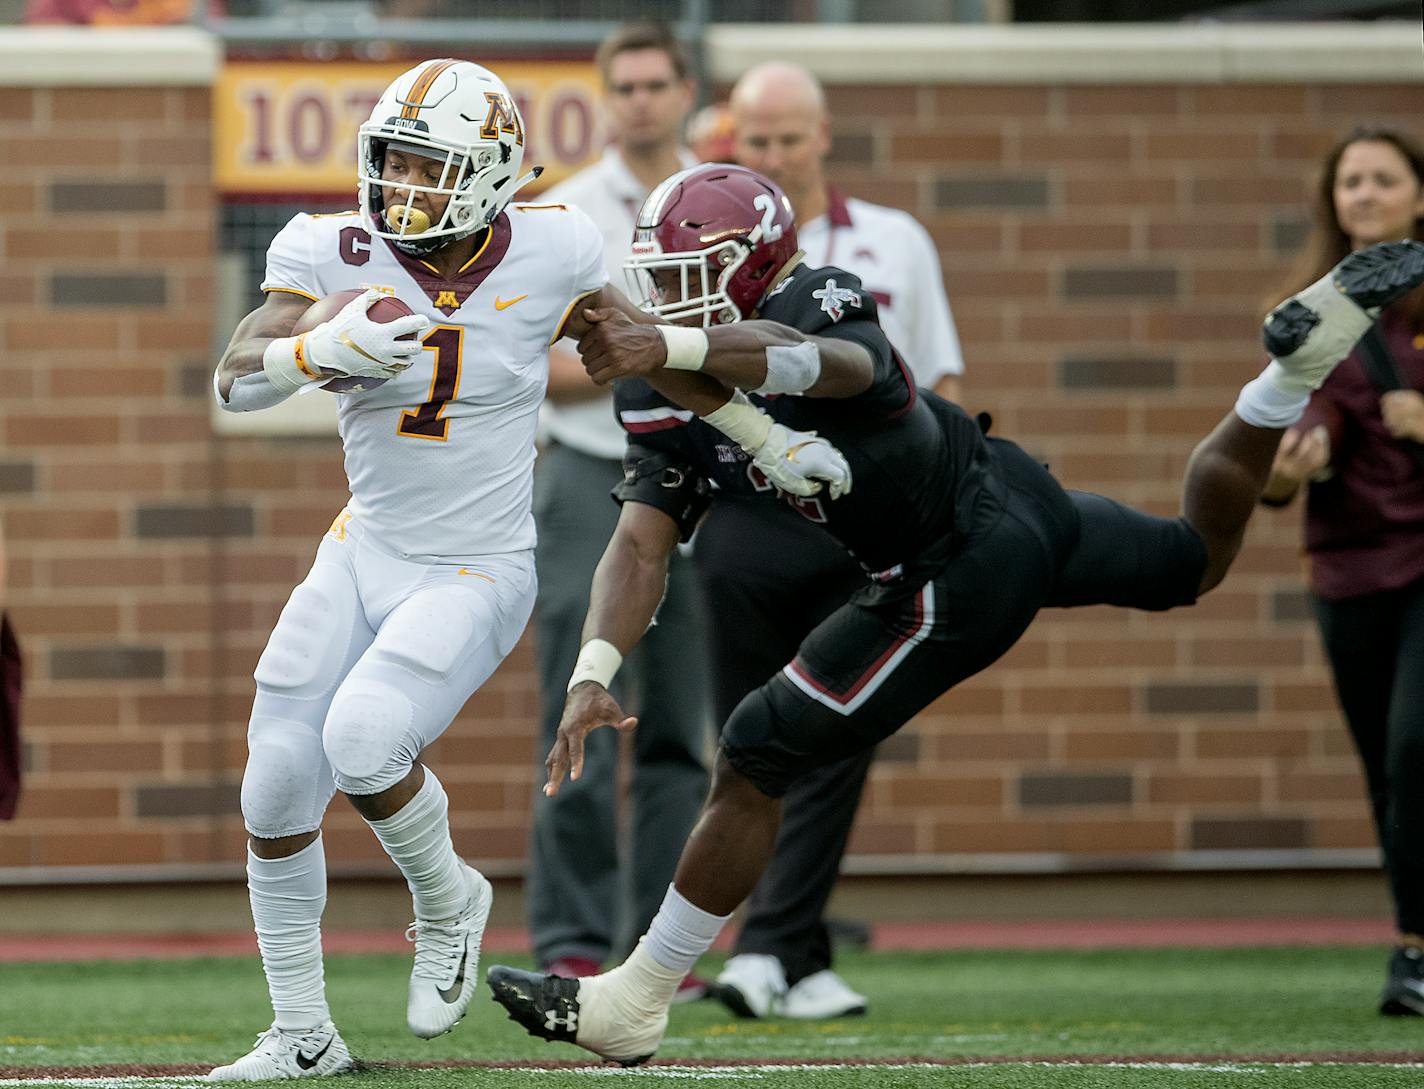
{"points": [[770, 577], [884, 656], [1376, 649]]}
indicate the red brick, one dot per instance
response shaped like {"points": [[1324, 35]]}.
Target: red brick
{"points": [[48, 710], [103, 757], [131, 381], [90, 619], [1099, 746], [103, 848], [1000, 745], [73, 802], [1037, 146], [35, 331], [1082, 699], [35, 429], [108, 478], [1235, 743], [1270, 101], [62, 245], [943, 791], [135, 106], [1100, 236], [1128, 101], [1204, 788], [1198, 144], [1321, 786], [1121, 192], [1118, 836], [948, 146], [981, 102], [882, 838], [1247, 653]]}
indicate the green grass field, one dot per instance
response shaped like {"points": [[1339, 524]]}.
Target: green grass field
{"points": [[1182, 1017]]}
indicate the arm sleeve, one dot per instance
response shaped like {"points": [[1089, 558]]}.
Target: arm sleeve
{"points": [[290, 260], [830, 302], [933, 350]]}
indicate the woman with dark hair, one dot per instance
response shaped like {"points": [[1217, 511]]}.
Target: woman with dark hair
{"points": [[1358, 451]]}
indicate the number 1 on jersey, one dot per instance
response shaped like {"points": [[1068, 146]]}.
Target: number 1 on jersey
{"points": [[447, 342]]}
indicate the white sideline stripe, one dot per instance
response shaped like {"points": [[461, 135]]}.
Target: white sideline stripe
{"points": [[880, 676], [732, 1072]]}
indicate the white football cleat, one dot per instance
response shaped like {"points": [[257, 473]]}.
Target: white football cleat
{"points": [[1313, 330], [821, 996], [751, 984], [447, 962], [620, 1015], [281, 1054]]}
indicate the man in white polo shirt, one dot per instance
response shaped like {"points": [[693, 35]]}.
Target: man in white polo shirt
{"points": [[767, 599], [588, 899]]}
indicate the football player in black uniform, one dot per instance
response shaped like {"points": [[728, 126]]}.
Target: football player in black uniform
{"points": [[963, 537]]}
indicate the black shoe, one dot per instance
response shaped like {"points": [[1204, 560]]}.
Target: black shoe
{"points": [[547, 1006], [1378, 275], [1370, 278], [1403, 994]]}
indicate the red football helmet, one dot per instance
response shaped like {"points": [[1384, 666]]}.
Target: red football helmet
{"points": [[722, 233]]}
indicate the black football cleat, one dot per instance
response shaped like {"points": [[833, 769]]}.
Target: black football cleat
{"points": [[1403, 994], [547, 1006], [1314, 329]]}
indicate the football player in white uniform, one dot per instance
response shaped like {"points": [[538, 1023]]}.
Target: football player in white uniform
{"points": [[426, 579]]}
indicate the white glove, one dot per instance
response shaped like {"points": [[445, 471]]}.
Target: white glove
{"points": [[353, 344], [798, 461]]}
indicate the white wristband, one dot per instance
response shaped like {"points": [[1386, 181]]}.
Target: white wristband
{"points": [[686, 348], [742, 422], [286, 365], [597, 661]]}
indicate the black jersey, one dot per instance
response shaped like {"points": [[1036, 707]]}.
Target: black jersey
{"points": [[913, 456]]}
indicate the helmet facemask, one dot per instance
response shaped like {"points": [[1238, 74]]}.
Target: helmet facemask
{"points": [[469, 205], [702, 277]]}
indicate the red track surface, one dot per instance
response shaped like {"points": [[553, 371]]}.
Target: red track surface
{"points": [[1095, 934]]}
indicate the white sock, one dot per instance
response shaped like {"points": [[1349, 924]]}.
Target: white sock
{"points": [[1264, 402], [418, 841], [288, 896], [681, 932]]}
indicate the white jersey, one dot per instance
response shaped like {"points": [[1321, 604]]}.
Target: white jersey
{"points": [[611, 196], [440, 459], [896, 262]]}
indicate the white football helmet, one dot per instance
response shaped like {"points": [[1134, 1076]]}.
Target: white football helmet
{"points": [[456, 113]]}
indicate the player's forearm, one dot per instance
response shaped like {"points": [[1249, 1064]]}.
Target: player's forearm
{"points": [[628, 586], [767, 357]]}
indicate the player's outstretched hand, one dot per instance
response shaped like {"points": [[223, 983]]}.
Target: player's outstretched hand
{"points": [[615, 346], [799, 462], [587, 707], [351, 343]]}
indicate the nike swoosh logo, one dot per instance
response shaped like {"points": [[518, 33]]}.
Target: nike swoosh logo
{"points": [[307, 1064], [476, 574], [452, 992], [505, 304], [346, 339]]}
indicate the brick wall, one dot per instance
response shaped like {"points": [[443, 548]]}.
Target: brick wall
{"points": [[1105, 249]]}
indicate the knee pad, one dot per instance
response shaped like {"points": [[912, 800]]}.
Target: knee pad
{"points": [[286, 785], [428, 635], [368, 736], [304, 639]]}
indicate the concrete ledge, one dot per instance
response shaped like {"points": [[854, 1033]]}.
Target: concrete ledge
{"points": [[1384, 52], [45, 56]]}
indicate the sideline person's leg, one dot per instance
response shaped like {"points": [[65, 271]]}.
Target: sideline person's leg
{"points": [[572, 886]]}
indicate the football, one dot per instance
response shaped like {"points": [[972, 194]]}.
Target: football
{"points": [[384, 309]]}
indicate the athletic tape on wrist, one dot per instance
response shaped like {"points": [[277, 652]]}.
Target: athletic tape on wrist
{"points": [[285, 364], [792, 369], [686, 348], [742, 422], [597, 661]]}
